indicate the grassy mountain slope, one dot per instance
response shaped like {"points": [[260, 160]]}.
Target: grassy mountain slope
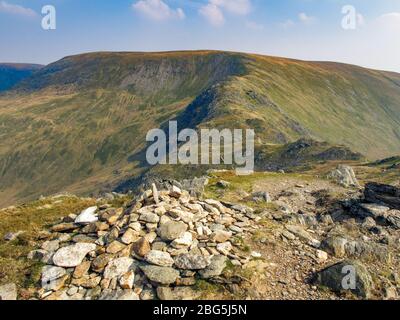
{"points": [[79, 124], [286, 99], [13, 73]]}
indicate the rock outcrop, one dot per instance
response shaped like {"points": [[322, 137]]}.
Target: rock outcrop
{"points": [[387, 195], [345, 176]]}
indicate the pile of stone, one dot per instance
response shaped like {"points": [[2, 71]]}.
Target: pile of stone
{"points": [[158, 246]]}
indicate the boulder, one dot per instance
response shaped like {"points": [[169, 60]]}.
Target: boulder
{"points": [[335, 246], [40, 256], [221, 236], [185, 241], [185, 216], [73, 255], [262, 196], [53, 278], [372, 210], [216, 267], [51, 246], [347, 276], [393, 219], [176, 294], [161, 275], [344, 175], [82, 269], [172, 230], [100, 262], [115, 247], [192, 262], [130, 236], [63, 227], [303, 235], [118, 267], [149, 217], [386, 195], [224, 248], [87, 216], [155, 193], [159, 258]]}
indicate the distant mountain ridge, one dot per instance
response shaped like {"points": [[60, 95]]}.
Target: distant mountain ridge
{"points": [[79, 124], [13, 73]]}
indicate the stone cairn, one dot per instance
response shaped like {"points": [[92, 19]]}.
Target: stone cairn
{"points": [[156, 247]]}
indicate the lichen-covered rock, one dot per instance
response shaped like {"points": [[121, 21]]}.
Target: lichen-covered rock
{"points": [[216, 267], [160, 275], [176, 294], [73, 255], [159, 258], [350, 276], [192, 262], [118, 267], [172, 230]]}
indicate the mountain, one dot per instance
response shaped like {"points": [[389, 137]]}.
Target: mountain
{"points": [[13, 73], [79, 124]]}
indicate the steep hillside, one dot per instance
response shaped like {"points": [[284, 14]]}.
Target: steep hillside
{"points": [[13, 73], [79, 124]]}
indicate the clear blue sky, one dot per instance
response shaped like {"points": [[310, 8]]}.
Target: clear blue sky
{"points": [[304, 29]]}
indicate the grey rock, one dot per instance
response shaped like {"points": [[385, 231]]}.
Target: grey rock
{"points": [[304, 235], [192, 262], [159, 258], [176, 294], [51, 246], [338, 278], [393, 218], [40, 256], [73, 255], [51, 276], [161, 275], [149, 217], [386, 195], [118, 267], [127, 295], [372, 210], [335, 246], [87, 216], [344, 175], [216, 267], [172, 230], [262, 196]]}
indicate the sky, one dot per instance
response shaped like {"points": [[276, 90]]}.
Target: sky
{"points": [[361, 32]]}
